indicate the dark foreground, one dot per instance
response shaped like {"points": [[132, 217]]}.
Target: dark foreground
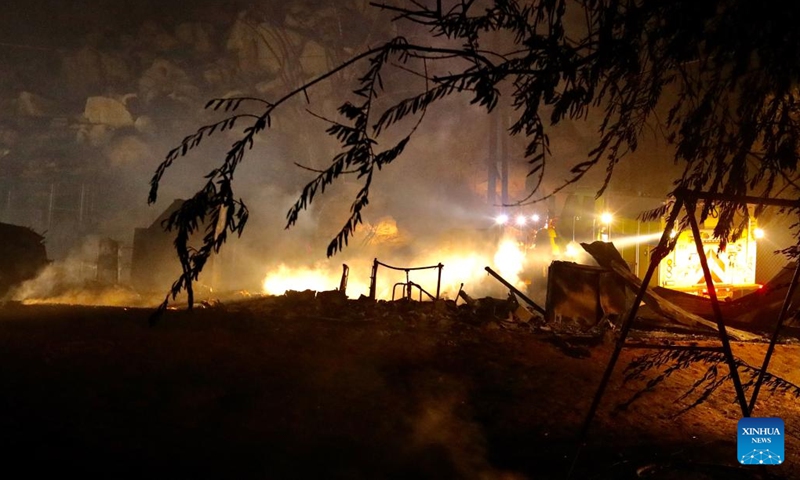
{"points": [[266, 390]]}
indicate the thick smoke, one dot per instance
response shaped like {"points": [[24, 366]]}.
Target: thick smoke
{"points": [[73, 280], [122, 95]]}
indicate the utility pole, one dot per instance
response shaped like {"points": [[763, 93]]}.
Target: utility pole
{"points": [[8, 205], [51, 205], [502, 127], [498, 153], [491, 162]]}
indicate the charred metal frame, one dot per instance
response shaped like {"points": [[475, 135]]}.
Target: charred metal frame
{"points": [[408, 285], [688, 199], [515, 290], [408, 290]]}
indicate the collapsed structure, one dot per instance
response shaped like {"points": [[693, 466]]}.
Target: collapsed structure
{"points": [[154, 264], [22, 256]]}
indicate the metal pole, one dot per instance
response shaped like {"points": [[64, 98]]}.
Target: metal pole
{"points": [[638, 237], [491, 162], [80, 206], [573, 228], [458, 295], [50, 205], [503, 140], [8, 206], [373, 279], [439, 281], [712, 292], [784, 310], [515, 290], [655, 258]]}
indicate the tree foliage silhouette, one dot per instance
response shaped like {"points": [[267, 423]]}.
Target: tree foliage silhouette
{"points": [[725, 71]]}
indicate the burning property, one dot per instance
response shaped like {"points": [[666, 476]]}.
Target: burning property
{"points": [[399, 239]]}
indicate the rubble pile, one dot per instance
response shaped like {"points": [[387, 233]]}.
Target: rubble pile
{"points": [[454, 320], [333, 306]]}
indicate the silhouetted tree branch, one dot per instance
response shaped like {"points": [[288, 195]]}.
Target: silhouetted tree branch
{"points": [[658, 366], [726, 72]]}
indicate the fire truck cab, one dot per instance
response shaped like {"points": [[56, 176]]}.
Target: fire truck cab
{"points": [[733, 270]]}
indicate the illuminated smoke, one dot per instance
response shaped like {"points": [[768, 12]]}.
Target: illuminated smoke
{"points": [[509, 261], [623, 242], [72, 281]]}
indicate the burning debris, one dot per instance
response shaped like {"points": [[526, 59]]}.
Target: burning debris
{"points": [[579, 297], [317, 278], [607, 256], [332, 305], [582, 301], [513, 290], [462, 264], [407, 286]]}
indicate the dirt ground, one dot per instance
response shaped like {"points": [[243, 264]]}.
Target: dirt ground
{"points": [[261, 389]]}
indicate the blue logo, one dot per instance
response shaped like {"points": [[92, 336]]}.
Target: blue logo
{"points": [[760, 441]]}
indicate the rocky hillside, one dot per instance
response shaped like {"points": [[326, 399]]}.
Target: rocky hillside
{"points": [[86, 115]]}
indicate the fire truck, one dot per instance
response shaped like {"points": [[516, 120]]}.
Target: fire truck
{"points": [[583, 218], [733, 270]]}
